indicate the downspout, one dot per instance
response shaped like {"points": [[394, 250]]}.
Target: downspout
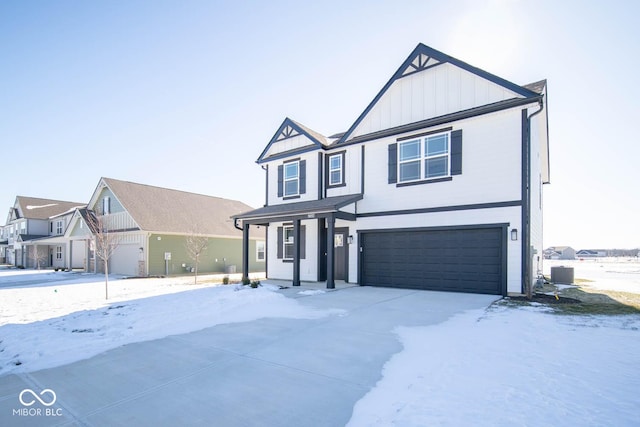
{"points": [[527, 280], [266, 188]]}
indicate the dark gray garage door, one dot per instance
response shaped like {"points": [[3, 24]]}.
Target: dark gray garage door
{"points": [[459, 260]]}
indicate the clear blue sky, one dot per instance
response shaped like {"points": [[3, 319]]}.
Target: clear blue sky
{"points": [[186, 94]]}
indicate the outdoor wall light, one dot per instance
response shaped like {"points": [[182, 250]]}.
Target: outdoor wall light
{"points": [[514, 234], [141, 249], [350, 239]]}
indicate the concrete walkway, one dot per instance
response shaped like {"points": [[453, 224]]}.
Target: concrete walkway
{"points": [[270, 372]]}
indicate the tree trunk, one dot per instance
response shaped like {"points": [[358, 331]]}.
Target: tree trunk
{"points": [[195, 277], [106, 280]]}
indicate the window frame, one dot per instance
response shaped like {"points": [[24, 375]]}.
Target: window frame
{"points": [[59, 227], [424, 157], [285, 243], [58, 252], [261, 248], [341, 169], [295, 179]]}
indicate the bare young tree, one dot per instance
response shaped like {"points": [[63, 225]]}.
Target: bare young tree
{"points": [[195, 246], [39, 257], [106, 242]]}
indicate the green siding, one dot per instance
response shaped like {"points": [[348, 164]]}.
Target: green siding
{"points": [[220, 252]]}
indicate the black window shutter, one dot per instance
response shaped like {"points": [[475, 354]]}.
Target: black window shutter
{"points": [[303, 176], [456, 152], [303, 241], [280, 180], [393, 163], [280, 243]]}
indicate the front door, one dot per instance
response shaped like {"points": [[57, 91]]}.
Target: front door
{"points": [[341, 253]]}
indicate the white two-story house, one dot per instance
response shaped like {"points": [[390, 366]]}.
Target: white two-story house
{"points": [[436, 185], [34, 234]]}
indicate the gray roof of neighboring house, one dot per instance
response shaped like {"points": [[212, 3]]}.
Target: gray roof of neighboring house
{"points": [[37, 208], [172, 211]]}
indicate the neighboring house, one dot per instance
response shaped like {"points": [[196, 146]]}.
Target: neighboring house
{"points": [[153, 224], [436, 185], [33, 233], [591, 253], [560, 252]]}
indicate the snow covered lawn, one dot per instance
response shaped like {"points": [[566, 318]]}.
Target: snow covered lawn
{"points": [[510, 366], [514, 365], [67, 317], [507, 365]]}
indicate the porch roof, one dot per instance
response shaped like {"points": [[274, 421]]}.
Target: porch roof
{"points": [[320, 207]]}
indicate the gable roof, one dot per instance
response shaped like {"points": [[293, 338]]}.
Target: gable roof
{"points": [[424, 57], [37, 208], [290, 129], [165, 210]]}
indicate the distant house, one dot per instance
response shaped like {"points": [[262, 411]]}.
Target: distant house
{"points": [[153, 224], [591, 253], [32, 235], [560, 252]]}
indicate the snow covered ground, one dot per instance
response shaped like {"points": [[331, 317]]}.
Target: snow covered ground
{"points": [[67, 317], [501, 366], [517, 366], [614, 274]]}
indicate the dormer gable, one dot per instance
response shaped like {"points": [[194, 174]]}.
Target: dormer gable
{"points": [[292, 138], [431, 84]]}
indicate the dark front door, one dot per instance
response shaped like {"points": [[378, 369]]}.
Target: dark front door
{"points": [[341, 253]]}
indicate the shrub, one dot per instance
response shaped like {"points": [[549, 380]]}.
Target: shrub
{"points": [[246, 281], [225, 280], [255, 284]]}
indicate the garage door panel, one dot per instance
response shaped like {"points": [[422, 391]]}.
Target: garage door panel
{"points": [[464, 260]]}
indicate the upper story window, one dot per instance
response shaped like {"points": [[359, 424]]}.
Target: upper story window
{"points": [[106, 205], [424, 158], [335, 170], [291, 179], [58, 227]]}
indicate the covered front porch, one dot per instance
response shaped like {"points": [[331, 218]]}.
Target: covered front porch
{"points": [[323, 213]]}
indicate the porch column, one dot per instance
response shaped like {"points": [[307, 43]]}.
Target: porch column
{"points": [[245, 250], [331, 228], [296, 252], [70, 260]]}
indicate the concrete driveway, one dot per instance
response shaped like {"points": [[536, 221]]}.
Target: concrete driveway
{"points": [[270, 372]]}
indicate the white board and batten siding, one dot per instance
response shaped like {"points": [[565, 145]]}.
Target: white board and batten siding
{"points": [[287, 144], [435, 92]]}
